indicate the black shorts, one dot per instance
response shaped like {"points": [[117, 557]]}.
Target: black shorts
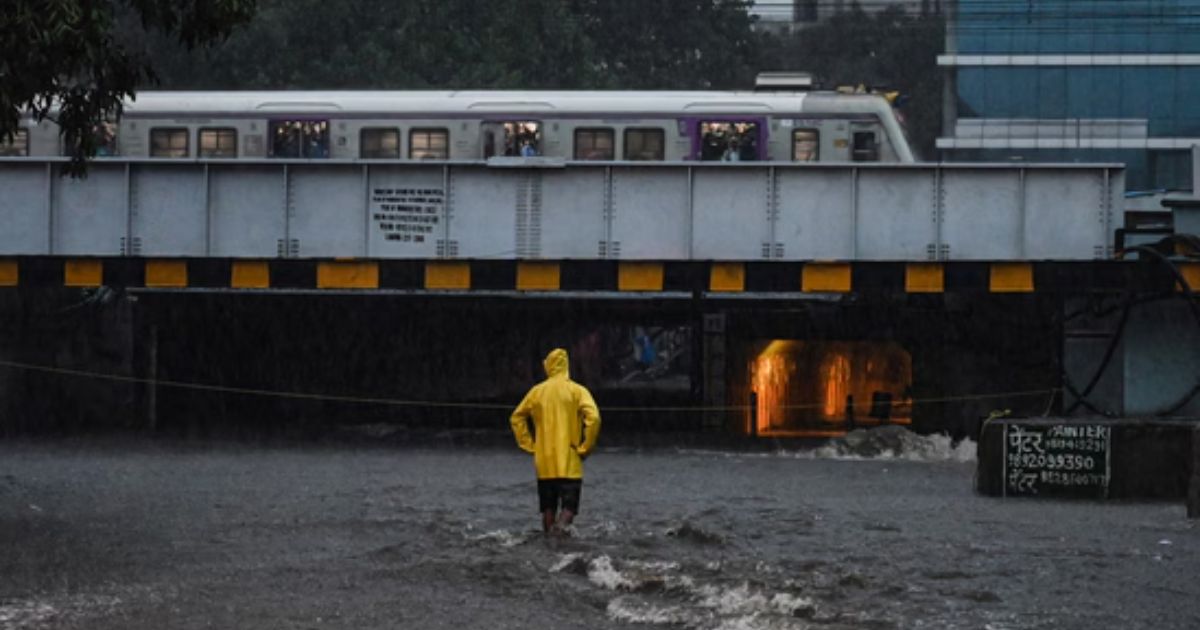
{"points": [[556, 494]]}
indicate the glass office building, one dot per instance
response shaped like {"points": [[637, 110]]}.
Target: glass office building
{"points": [[1075, 81]]}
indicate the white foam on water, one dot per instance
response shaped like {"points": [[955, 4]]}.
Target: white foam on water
{"points": [[745, 607], [16, 615], [656, 566], [565, 560], [602, 573], [631, 575], [630, 610], [759, 622], [894, 443], [729, 601], [502, 537], [26, 614], [607, 528], [789, 604], [660, 593]]}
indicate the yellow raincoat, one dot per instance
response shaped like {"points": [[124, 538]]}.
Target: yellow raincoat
{"points": [[566, 422]]}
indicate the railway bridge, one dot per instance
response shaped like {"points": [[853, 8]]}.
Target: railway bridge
{"points": [[760, 298]]}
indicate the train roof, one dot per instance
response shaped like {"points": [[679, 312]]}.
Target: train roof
{"points": [[482, 102]]}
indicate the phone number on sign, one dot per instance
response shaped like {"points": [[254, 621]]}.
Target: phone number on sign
{"points": [[1051, 462]]}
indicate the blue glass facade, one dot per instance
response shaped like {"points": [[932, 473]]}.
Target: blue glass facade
{"points": [[1161, 100], [1168, 98], [1078, 26]]}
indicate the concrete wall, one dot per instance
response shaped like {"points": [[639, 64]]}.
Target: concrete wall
{"points": [[1162, 359], [1155, 364], [59, 331]]}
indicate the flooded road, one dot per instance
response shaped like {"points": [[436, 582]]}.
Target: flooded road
{"points": [[144, 536]]}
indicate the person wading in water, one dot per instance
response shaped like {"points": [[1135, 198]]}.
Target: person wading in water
{"points": [[566, 424]]}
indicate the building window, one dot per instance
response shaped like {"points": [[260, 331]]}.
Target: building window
{"points": [[300, 138], [594, 144], [866, 147], [18, 146], [729, 141], [428, 144], [169, 143], [644, 144], [218, 143], [375, 143], [806, 145]]}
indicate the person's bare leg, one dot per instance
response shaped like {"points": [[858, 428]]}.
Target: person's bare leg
{"points": [[547, 521], [564, 519]]}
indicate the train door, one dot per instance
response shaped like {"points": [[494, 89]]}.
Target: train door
{"points": [[730, 140], [515, 138], [299, 138]]}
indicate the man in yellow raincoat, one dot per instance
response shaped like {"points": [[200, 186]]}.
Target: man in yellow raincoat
{"points": [[566, 424]]}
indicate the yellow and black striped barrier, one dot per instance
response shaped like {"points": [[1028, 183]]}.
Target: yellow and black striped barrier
{"points": [[634, 277]]}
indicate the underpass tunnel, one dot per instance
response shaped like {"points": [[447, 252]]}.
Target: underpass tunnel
{"points": [[825, 388]]}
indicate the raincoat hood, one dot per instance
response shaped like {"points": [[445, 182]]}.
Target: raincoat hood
{"points": [[555, 363]]}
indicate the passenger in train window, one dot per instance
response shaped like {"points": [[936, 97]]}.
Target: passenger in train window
{"points": [[285, 139], [527, 148], [733, 152], [316, 135], [712, 149], [749, 148], [106, 139], [316, 148]]}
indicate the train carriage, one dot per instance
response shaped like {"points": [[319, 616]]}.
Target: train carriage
{"points": [[605, 126]]}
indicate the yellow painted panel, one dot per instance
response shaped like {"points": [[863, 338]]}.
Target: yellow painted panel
{"points": [[83, 273], [825, 278], [727, 277], [250, 274], [538, 276], [448, 275], [8, 273], [347, 275], [1011, 277], [1191, 273], [924, 278], [640, 276], [166, 273]]}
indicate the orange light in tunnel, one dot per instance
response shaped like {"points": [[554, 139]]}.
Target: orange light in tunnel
{"points": [[801, 387], [837, 381], [770, 383]]}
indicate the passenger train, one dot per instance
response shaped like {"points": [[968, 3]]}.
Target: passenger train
{"points": [[605, 126]]}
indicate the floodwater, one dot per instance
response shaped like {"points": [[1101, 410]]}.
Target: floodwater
{"points": [[145, 536]]}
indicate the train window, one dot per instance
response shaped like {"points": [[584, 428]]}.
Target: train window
{"points": [[379, 143], [300, 138], [866, 147], [428, 144], [17, 146], [594, 144], [806, 145], [218, 143], [644, 144], [105, 135], [729, 141], [169, 142]]}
